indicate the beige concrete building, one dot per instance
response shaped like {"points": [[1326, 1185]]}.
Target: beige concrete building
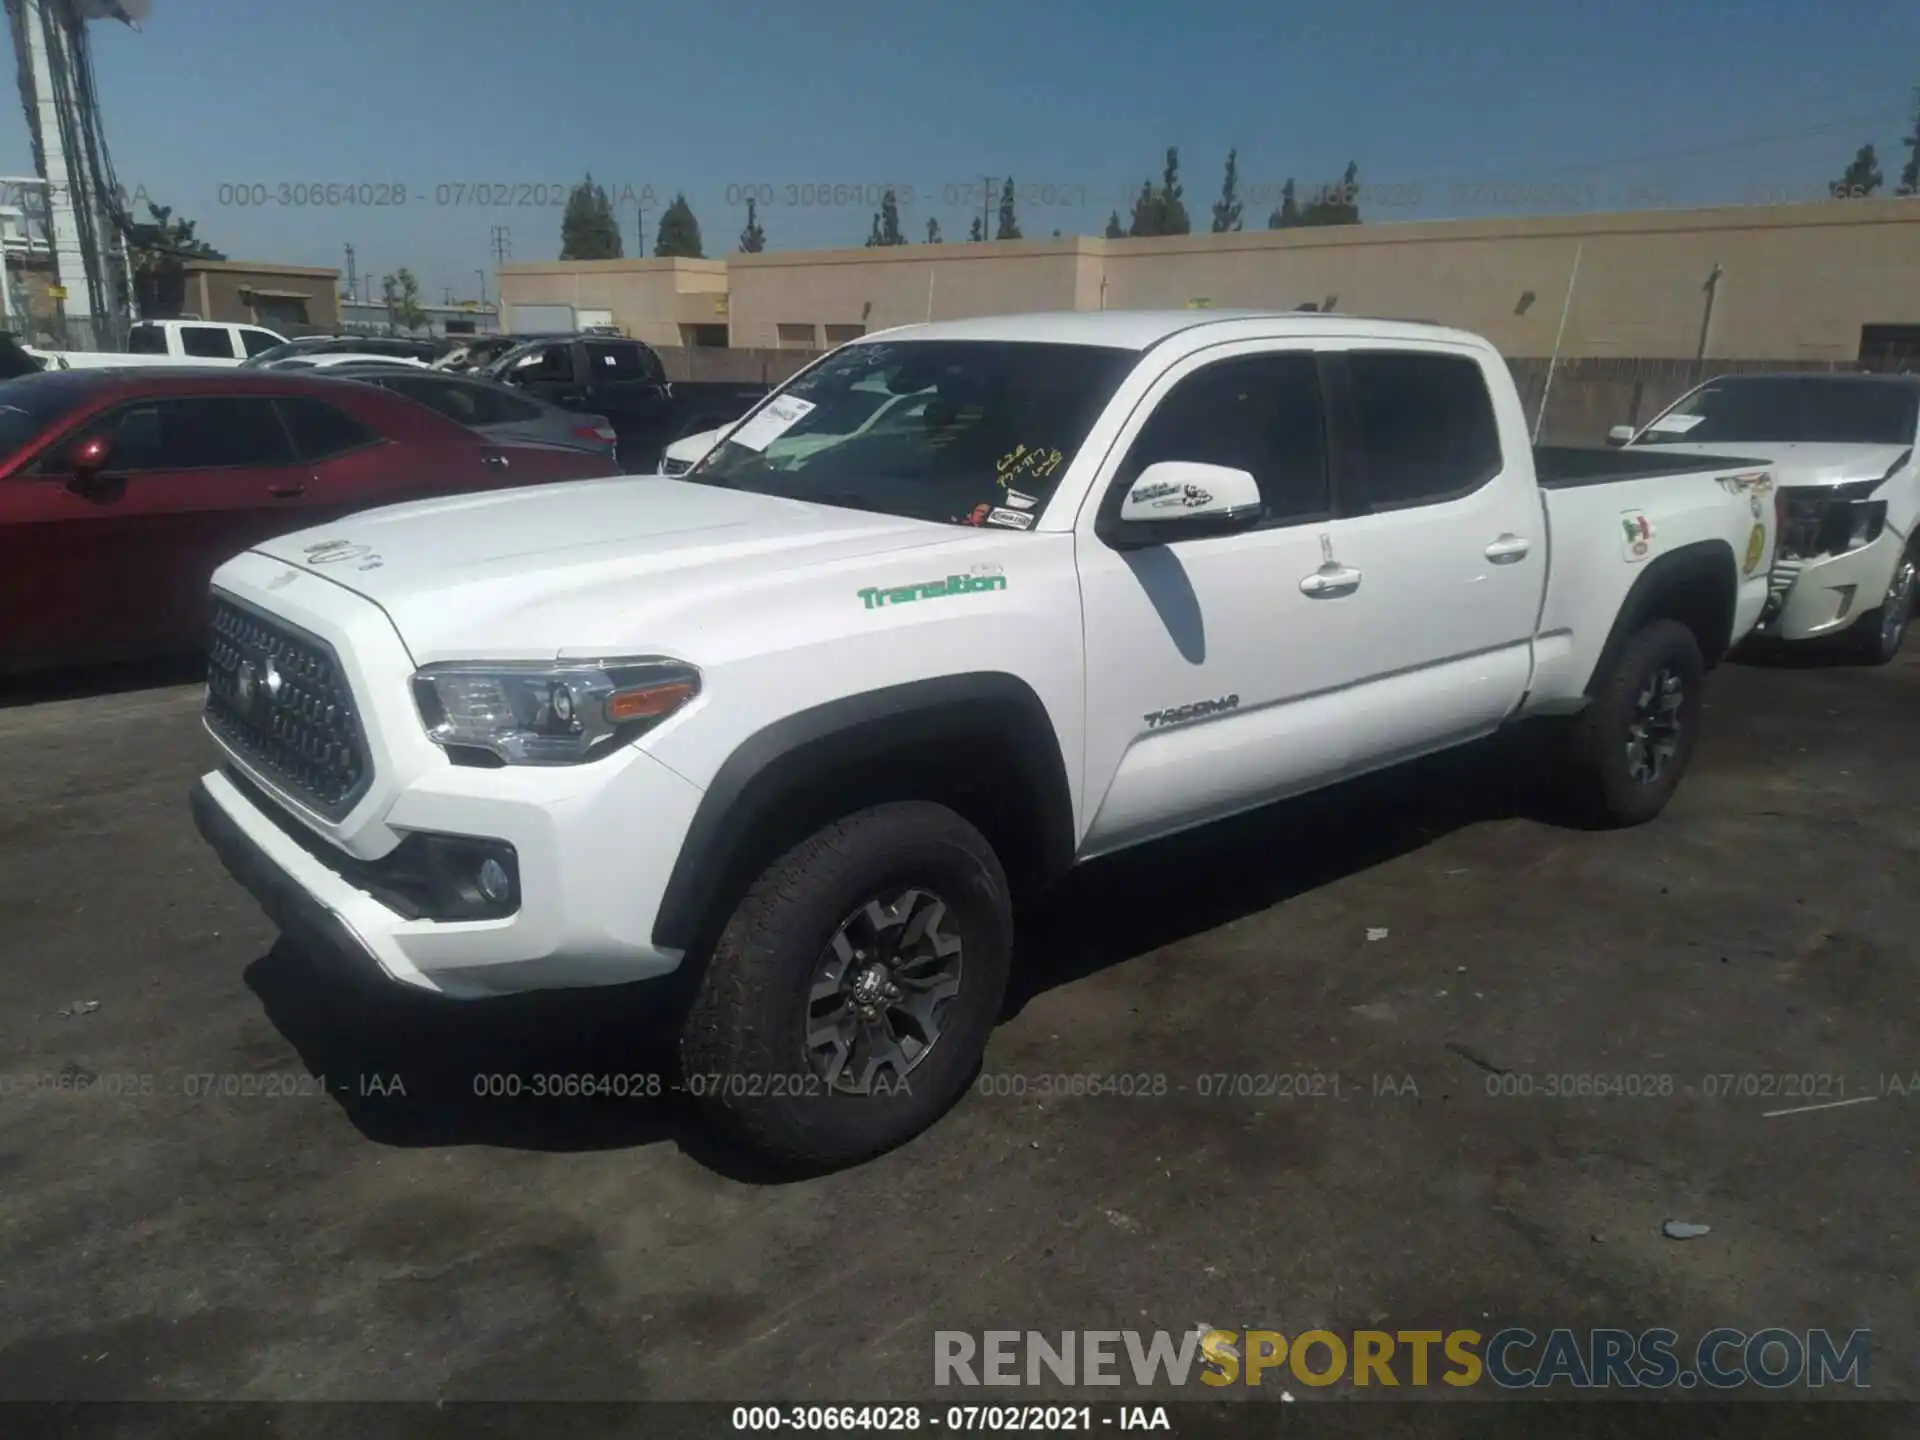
{"points": [[1795, 283], [663, 302], [289, 298]]}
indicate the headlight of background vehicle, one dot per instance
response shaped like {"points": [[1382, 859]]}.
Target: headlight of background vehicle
{"points": [[548, 714]]}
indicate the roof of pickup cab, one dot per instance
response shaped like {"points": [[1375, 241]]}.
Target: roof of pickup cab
{"points": [[1143, 329]]}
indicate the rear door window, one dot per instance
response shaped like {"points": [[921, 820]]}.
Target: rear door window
{"points": [[146, 340], [1418, 429], [319, 430], [206, 342], [621, 360]]}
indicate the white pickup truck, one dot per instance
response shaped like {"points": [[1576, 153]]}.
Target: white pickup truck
{"points": [[1843, 450], [170, 342], [794, 727]]}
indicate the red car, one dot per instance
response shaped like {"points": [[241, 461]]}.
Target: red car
{"points": [[122, 490]]}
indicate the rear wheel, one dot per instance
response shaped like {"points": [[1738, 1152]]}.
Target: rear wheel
{"points": [[1883, 630], [850, 995], [1634, 741]]}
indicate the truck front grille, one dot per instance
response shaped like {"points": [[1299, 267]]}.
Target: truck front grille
{"points": [[277, 695]]}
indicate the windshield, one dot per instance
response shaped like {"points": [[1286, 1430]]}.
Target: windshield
{"points": [[17, 429], [29, 408], [1787, 410], [967, 432]]}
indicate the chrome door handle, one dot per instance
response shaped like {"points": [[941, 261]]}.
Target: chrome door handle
{"points": [[497, 462], [1508, 548], [1330, 582]]}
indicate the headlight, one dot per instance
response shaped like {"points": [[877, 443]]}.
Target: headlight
{"points": [[549, 714]]}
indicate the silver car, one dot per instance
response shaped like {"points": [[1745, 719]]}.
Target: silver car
{"points": [[497, 411]]}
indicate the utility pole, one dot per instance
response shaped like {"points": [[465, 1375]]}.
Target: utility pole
{"points": [[481, 275], [640, 219], [502, 245], [353, 280], [986, 199]]}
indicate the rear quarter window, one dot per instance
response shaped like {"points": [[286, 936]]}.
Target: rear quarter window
{"points": [[319, 430], [206, 342]]}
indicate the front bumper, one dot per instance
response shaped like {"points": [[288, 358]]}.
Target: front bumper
{"points": [[593, 844], [1826, 594], [589, 886]]}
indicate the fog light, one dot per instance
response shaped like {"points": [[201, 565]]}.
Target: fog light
{"points": [[495, 884]]}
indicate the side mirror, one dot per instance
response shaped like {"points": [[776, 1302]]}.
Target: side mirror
{"points": [[1179, 499], [84, 463], [89, 457], [1620, 434]]}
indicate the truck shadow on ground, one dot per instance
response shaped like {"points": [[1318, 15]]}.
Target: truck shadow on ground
{"points": [[415, 1071]]}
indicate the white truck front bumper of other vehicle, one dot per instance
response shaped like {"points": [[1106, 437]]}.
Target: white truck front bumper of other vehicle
{"points": [[1825, 594]]}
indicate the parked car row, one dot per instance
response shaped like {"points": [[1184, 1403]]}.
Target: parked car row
{"points": [[624, 381], [122, 489]]}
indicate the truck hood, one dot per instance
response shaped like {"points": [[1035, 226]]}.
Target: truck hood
{"points": [[514, 574], [1804, 464]]}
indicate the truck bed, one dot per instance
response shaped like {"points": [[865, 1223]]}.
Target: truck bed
{"points": [[1563, 467]]}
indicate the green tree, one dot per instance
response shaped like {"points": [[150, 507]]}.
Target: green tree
{"points": [[1161, 212], [752, 239], [158, 244], [401, 291], [1861, 178], [1910, 172], [1226, 210], [1009, 228], [1114, 232], [1173, 214], [1336, 204], [977, 232], [933, 230], [886, 224], [679, 232], [1287, 214], [1146, 212], [588, 230]]}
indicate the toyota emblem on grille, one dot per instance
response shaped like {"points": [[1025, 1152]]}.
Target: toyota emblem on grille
{"points": [[255, 674]]}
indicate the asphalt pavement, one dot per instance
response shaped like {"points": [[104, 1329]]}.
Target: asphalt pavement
{"points": [[250, 1185]]}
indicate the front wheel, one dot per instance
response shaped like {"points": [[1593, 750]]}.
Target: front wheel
{"points": [[1634, 741], [1881, 632], [849, 997]]}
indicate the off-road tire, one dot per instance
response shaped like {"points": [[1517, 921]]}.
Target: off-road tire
{"points": [[1601, 782], [742, 1045]]}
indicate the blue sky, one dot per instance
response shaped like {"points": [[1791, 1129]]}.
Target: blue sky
{"points": [[1473, 107]]}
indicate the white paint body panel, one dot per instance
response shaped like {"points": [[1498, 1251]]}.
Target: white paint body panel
{"points": [[175, 353], [1437, 645]]}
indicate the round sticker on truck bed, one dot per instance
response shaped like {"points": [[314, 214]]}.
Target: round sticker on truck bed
{"points": [[1756, 547]]}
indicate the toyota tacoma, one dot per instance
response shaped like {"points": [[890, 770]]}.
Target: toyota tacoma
{"points": [[798, 725]]}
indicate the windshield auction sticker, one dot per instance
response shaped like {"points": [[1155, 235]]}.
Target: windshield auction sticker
{"points": [[775, 418]]}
